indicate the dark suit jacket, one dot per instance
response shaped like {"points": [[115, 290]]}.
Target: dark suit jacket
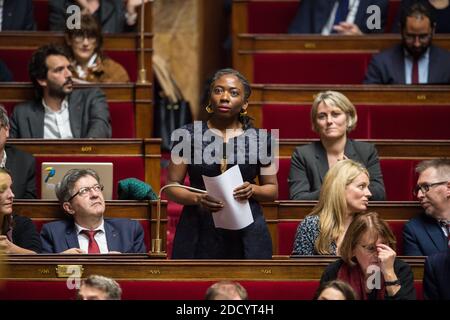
{"points": [[312, 15], [88, 114], [423, 236], [309, 164], [122, 235], [112, 15], [22, 166], [5, 73], [388, 66], [436, 277], [18, 15], [25, 235]]}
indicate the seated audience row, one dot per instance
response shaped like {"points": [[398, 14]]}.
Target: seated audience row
{"points": [[114, 15], [350, 17]]}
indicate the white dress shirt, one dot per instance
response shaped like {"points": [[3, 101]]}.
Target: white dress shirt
{"points": [[353, 6], [100, 237], [424, 61], [3, 162], [57, 123], [1, 14]]}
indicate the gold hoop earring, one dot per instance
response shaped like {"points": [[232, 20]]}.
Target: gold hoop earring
{"points": [[243, 112], [209, 109]]}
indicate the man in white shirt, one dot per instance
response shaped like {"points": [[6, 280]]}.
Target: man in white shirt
{"points": [[346, 17], [59, 112], [88, 232]]}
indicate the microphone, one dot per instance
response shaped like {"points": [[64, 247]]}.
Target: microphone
{"points": [[142, 71], [156, 242]]}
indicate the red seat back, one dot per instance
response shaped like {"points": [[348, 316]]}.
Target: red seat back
{"points": [[310, 67], [17, 61], [271, 16], [40, 10]]}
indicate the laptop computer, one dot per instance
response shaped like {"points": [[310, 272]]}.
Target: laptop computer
{"points": [[53, 172]]}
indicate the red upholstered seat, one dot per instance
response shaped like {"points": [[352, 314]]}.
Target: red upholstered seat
{"points": [[123, 167], [399, 178], [17, 61], [294, 121], [397, 228], [271, 16], [409, 122], [40, 10], [168, 290], [310, 67], [122, 119]]}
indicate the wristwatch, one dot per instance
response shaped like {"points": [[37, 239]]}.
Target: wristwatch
{"points": [[392, 283]]}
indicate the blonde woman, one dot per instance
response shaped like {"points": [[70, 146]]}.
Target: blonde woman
{"points": [[345, 193], [333, 116]]}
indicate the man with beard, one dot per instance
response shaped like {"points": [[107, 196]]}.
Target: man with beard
{"points": [[80, 194], [428, 233], [59, 112], [415, 60]]}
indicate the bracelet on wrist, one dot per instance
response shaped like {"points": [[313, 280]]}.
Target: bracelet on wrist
{"points": [[392, 283]]}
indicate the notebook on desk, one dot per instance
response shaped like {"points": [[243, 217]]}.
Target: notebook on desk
{"points": [[53, 172]]}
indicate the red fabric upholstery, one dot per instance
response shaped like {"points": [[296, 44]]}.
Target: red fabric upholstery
{"points": [[310, 67], [286, 235], [271, 16], [123, 167], [40, 10], [393, 8], [17, 61], [122, 119], [293, 121], [409, 122], [161, 290], [128, 59], [399, 178], [168, 290]]}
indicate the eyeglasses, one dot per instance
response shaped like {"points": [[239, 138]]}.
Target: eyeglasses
{"points": [[85, 191], [425, 187], [412, 37]]}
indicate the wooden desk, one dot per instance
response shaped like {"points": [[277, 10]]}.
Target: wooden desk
{"points": [[148, 149]]}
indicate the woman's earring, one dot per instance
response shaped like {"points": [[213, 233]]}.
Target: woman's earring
{"points": [[209, 109], [243, 112]]}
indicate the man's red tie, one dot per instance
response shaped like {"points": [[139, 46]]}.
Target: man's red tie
{"points": [[93, 245], [415, 72]]}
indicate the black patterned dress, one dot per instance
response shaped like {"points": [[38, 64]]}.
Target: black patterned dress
{"points": [[196, 236]]}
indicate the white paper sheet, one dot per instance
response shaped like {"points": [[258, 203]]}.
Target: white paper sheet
{"points": [[235, 214]]}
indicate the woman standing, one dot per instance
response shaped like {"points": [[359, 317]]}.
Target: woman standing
{"points": [[228, 124], [333, 116], [345, 193]]}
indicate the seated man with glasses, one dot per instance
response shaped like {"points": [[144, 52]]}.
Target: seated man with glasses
{"points": [[416, 60], [428, 233], [87, 231]]}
